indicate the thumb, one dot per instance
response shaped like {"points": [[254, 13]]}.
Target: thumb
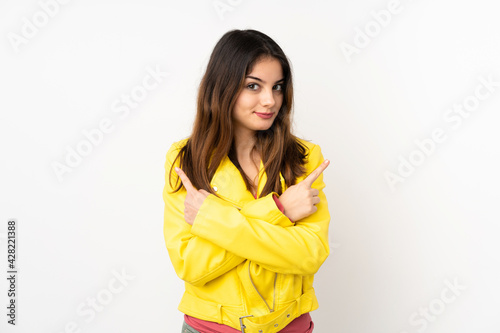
{"points": [[206, 193]]}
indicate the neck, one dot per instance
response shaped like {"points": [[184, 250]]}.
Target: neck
{"points": [[244, 143]]}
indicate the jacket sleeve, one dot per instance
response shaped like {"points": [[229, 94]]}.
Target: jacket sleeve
{"points": [[196, 260], [265, 235]]}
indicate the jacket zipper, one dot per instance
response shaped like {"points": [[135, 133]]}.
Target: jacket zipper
{"points": [[274, 288], [249, 275]]}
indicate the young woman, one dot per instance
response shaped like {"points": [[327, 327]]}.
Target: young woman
{"points": [[246, 220]]}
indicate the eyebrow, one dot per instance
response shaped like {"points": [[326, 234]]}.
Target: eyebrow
{"points": [[256, 78]]}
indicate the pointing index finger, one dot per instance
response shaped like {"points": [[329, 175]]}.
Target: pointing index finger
{"points": [[309, 180], [185, 180]]}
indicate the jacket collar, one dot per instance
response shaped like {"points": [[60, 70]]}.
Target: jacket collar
{"points": [[229, 184]]}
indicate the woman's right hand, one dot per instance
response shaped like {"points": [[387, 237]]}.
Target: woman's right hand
{"points": [[194, 198], [299, 200]]}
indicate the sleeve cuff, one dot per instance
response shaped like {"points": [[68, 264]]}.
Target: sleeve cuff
{"points": [[267, 209], [280, 205]]}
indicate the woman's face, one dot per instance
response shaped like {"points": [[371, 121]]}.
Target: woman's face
{"points": [[260, 100]]}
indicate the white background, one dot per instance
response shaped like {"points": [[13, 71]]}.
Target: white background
{"points": [[395, 250]]}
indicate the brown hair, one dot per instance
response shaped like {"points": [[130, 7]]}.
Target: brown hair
{"points": [[212, 138]]}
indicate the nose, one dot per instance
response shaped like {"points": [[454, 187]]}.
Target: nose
{"points": [[267, 98]]}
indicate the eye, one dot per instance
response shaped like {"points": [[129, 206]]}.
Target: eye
{"points": [[278, 87], [253, 86]]}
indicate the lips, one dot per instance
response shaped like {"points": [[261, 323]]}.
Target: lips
{"points": [[264, 115]]}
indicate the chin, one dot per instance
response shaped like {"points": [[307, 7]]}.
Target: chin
{"points": [[263, 129]]}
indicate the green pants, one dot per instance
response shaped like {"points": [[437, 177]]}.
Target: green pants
{"points": [[188, 329]]}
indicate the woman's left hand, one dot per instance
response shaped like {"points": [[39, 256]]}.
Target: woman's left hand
{"points": [[194, 198]]}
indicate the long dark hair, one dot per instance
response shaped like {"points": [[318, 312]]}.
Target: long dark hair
{"points": [[211, 141]]}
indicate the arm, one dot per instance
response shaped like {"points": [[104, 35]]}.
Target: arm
{"points": [[257, 232], [195, 260]]}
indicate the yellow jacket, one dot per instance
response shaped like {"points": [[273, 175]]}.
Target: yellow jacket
{"points": [[244, 263]]}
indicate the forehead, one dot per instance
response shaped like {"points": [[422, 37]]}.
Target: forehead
{"points": [[267, 67]]}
